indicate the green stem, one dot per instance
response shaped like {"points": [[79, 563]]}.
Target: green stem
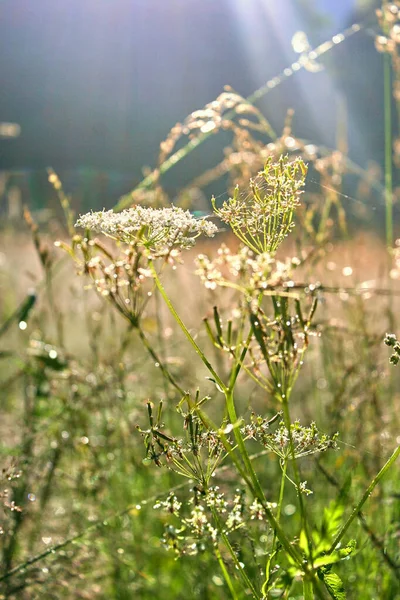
{"points": [[281, 491], [273, 552], [160, 337], [324, 217], [257, 490], [364, 498], [286, 414], [157, 360], [225, 573], [387, 90], [185, 330], [308, 593], [233, 418], [247, 582]]}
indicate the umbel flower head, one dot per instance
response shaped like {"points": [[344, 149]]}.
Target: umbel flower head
{"points": [[306, 440], [244, 270], [158, 229], [263, 218]]}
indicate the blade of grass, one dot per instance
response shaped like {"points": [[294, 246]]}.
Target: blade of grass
{"points": [[126, 200], [364, 498], [387, 83]]}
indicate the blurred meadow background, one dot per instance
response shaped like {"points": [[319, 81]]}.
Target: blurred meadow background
{"points": [[147, 103]]}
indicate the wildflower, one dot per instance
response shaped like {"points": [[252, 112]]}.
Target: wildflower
{"points": [[216, 500], [125, 280], [256, 511], [304, 489], [391, 341], [171, 504], [235, 517], [158, 230], [196, 456], [198, 521], [213, 533], [264, 218], [250, 272], [306, 440]]}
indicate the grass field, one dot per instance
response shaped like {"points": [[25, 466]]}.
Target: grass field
{"points": [[205, 418]]}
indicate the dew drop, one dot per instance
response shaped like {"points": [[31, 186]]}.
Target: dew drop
{"points": [[347, 271], [289, 509], [338, 38], [207, 127]]}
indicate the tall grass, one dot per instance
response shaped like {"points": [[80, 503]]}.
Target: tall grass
{"points": [[209, 422]]}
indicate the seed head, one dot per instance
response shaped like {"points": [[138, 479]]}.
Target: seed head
{"points": [[264, 217], [390, 339]]}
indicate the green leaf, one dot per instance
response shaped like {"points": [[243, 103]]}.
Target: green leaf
{"points": [[333, 557], [347, 550], [333, 583], [216, 384], [303, 543], [331, 520], [265, 587], [326, 559]]}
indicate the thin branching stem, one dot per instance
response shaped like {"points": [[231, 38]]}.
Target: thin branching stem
{"points": [[364, 498]]}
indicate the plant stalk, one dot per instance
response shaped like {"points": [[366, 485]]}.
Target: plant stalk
{"points": [[364, 498]]}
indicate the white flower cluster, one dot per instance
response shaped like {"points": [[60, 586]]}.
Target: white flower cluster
{"points": [[171, 504], [215, 499], [159, 230], [255, 272], [306, 440]]}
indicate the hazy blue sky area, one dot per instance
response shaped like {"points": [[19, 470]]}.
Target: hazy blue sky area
{"points": [[99, 84], [338, 10]]}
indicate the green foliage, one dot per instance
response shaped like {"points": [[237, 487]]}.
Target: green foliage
{"points": [[333, 583], [144, 456]]}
